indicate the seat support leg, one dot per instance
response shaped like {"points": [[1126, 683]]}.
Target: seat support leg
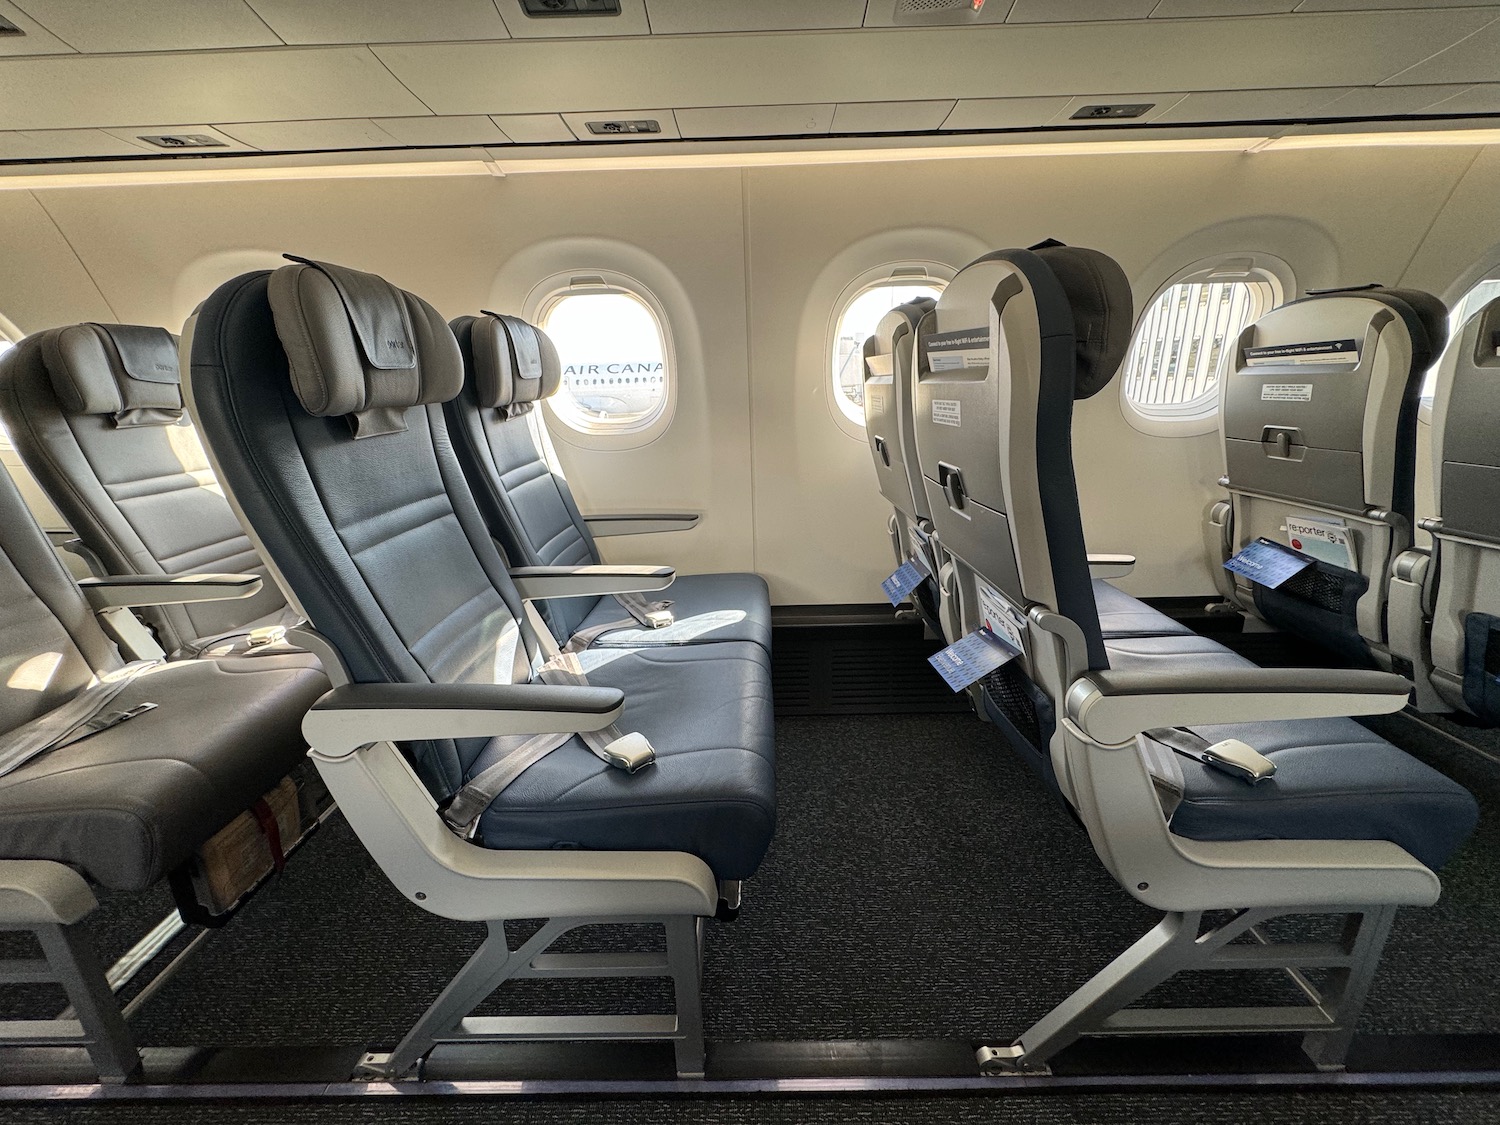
{"points": [[1179, 944], [449, 1020]]}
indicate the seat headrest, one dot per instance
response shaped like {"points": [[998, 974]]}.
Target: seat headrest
{"points": [[360, 348], [1103, 311], [1426, 316], [125, 370], [513, 363]]}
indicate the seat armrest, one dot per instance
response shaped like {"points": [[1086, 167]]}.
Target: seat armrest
{"points": [[640, 523], [1112, 707], [355, 715], [1110, 566], [536, 582], [167, 589]]}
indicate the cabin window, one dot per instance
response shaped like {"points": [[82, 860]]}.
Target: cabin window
{"points": [[1185, 338], [1481, 293], [616, 366], [857, 322]]}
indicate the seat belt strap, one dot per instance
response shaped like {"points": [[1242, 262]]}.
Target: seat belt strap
{"points": [[629, 752], [651, 615], [1230, 756], [269, 640], [75, 720]]}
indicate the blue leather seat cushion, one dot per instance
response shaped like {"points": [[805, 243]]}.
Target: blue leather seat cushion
{"points": [[711, 792], [1335, 779], [707, 607], [1121, 615]]}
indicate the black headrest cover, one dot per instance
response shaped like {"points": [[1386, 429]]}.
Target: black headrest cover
{"points": [[1103, 311]]}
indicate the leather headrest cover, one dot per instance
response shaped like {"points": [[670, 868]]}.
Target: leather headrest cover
{"points": [[1103, 311], [359, 347], [127, 370], [1431, 313], [513, 362]]}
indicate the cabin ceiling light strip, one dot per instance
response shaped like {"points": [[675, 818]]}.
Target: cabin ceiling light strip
{"points": [[1378, 139], [233, 173]]}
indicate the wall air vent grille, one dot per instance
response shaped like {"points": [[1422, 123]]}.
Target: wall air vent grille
{"points": [[8, 28]]}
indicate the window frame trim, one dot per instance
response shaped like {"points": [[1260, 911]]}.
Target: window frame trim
{"points": [[873, 278], [1201, 415]]}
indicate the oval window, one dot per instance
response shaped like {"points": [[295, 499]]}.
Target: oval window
{"points": [[614, 355], [856, 324]]}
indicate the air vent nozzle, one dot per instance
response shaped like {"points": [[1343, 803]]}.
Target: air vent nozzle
{"points": [[8, 28], [548, 8], [623, 128], [181, 140], [1115, 112]]}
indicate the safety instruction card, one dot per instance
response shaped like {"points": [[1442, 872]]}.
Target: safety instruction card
{"points": [[971, 658], [1268, 563]]}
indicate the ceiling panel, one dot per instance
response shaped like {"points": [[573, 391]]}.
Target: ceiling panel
{"points": [[1389, 101], [1249, 105], [1160, 104], [890, 117], [631, 21], [37, 40], [1475, 59], [926, 13], [381, 21], [1003, 113], [134, 133], [1374, 5], [1195, 9], [533, 128], [312, 136], [49, 144], [578, 123], [677, 17], [472, 130], [1013, 60], [755, 121], [1474, 99], [151, 25], [224, 86], [1075, 11]]}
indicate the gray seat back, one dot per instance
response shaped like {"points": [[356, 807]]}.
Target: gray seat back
{"points": [[50, 643], [510, 367], [888, 410], [1014, 339], [320, 391], [1319, 419], [1465, 638], [95, 410]]}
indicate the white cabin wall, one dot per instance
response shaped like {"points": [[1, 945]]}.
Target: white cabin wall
{"points": [[754, 444]]}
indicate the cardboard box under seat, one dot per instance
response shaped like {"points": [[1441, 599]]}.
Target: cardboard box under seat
{"points": [[239, 856]]}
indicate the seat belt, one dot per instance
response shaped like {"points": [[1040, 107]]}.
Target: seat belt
{"points": [[649, 615], [1231, 756], [629, 752], [75, 720], [268, 640]]}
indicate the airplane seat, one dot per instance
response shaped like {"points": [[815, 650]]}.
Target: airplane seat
{"points": [[1204, 783], [510, 367], [320, 392], [1319, 423], [95, 410], [888, 431], [1445, 603], [113, 774]]}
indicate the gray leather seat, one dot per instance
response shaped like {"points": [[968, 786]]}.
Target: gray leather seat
{"points": [[321, 390], [95, 410], [510, 366], [1334, 780], [130, 803]]}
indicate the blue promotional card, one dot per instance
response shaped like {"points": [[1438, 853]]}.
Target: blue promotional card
{"points": [[971, 658], [907, 577], [1268, 563]]}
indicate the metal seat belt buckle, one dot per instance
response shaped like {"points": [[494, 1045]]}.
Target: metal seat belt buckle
{"points": [[267, 635], [1238, 758], [631, 753], [661, 616]]}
